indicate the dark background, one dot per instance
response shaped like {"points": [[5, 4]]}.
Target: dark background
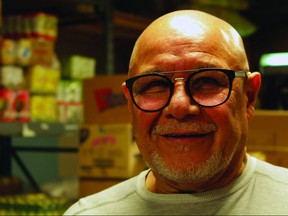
{"points": [[81, 31], [107, 30]]}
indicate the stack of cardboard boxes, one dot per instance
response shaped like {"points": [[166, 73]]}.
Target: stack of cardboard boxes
{"points": [[107, 152], [28, 68], [268, 137]]}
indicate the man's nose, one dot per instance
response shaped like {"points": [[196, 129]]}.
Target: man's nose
{"points": [[181, 104]]}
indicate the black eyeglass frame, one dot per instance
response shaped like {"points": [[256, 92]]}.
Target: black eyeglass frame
{"points": [[231, 74]]}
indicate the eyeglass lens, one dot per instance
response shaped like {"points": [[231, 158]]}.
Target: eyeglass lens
{"points": [[207, 88]]}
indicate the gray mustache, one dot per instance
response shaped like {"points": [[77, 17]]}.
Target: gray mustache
{"points": [[192, 126]]}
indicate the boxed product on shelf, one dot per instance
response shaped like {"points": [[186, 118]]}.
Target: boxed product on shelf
{"points": [[7, 104], [43, 108], [108, 151], [12, 76], [78, 67], [36, 25], [16, 52], [41, 79], [8, 51], [70, 103], [42, 51], [29, 39], [104, 101], [44, 25], [14, 105], [24, 51], [23, 105]]}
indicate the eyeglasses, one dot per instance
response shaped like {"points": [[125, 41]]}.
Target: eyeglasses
{"points": [[208, 87]]}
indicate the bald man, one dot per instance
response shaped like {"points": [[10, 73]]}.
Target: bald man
{"points": [[191, 96]]}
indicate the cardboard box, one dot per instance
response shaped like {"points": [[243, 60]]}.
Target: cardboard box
{"points": [[108, 151], [268, 137], [103, 100], [269, 128]]}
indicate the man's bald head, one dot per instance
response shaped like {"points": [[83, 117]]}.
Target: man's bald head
{"points": [[193, 26]]}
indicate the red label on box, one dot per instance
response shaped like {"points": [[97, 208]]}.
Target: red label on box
{"points": [[106, 99]]}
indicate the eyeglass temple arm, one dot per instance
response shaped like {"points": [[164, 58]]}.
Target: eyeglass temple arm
{"points": [[241, 73]]}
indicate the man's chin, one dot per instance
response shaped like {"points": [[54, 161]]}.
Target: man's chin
{"points": [[184, 174]]}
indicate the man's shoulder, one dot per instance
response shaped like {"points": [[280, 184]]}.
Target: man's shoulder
{"points": [[272, 172], [109, 196], [121, 189]]}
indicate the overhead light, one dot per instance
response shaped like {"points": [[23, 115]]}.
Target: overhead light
{"points": [[227, 10], [274, 59]]}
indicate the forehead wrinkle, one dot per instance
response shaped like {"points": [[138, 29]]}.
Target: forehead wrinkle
{"points": [[181, 50]]}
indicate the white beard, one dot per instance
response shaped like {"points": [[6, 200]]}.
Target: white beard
{"points": [[192, 173]]}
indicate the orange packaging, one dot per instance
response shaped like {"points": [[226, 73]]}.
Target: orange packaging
{"points": [[103, 100]]}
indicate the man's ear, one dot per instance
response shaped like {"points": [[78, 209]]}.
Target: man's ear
{"points": [[125, 90], [252, 89], [127, 96]]}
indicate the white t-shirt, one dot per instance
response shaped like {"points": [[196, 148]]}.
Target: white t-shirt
{"points": [[261, 189]]}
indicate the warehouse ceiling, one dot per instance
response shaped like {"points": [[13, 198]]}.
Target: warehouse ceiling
{"points": [[247, 16], [253, 14]]}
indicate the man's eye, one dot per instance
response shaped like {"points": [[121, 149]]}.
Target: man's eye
{"points": [[154, 87], [206, 83]]}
